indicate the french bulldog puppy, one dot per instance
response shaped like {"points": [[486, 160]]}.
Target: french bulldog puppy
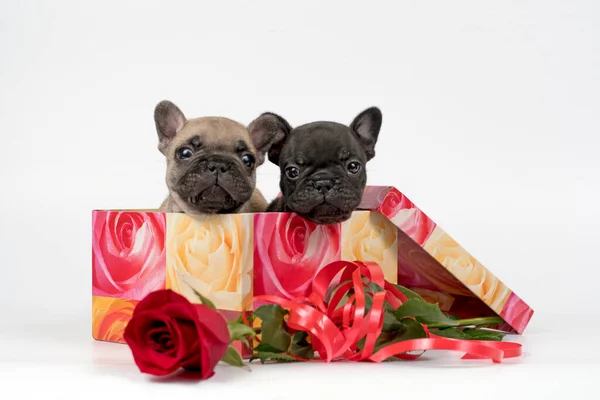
{"points": [[211, 162], [323, 174]]}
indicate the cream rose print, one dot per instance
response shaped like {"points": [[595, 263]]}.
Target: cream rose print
{"points": [[211, 255], [467, 269], [369, 236]]}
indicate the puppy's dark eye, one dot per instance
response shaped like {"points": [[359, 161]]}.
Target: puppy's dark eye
{"points": [[248, 160], [353, 167], [292, 173], [184, 153]]}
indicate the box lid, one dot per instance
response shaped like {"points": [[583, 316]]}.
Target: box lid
{"points": [[431, 260]]}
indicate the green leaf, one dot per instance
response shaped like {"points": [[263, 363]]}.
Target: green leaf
{"points": [[451, 333], [483, 334], [264, 356], [479, 322], [424, 312], [272, 329], [452, 316], [391, 323], [237, 330], [375, 288], [469, 334], [411, 330], [266, 348], [300, 346], [232, 357], [204, 300], [245, 342]]}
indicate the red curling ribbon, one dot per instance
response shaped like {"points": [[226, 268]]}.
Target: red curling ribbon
{"points": [[439, 343], [510, 349], [394, 296], [336, 329]]}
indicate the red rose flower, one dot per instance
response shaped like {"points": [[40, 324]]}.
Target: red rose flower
{"points": [[167, 332]]}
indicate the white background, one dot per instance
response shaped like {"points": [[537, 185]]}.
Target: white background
{"points": [[491, 126]]}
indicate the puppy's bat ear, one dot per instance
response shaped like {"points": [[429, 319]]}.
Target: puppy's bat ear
{"points": [[269, 132], [367, 125], [169, 120]]}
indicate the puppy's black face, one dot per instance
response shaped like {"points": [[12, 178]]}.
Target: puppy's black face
{"points": [[323, 166], [323, 172]]}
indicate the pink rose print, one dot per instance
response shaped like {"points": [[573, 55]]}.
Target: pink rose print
{"points": [[516, 313], [289, 251], [128, 254], [406, 216]]}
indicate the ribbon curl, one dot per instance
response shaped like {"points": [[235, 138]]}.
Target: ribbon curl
{"points": [[336, 329]]}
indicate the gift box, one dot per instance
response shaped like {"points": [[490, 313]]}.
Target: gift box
{"points": [[231, 258]]}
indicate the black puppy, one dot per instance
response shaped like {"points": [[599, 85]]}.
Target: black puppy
{"points": [[322, 164]]}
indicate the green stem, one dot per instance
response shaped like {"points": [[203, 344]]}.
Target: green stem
{"points": [[470, 322]]}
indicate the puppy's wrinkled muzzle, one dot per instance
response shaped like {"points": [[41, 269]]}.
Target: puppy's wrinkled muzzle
{"points": [[324, 200], [326, 214], [215, 196], [218, 166], [214, 184], [324, 185]]}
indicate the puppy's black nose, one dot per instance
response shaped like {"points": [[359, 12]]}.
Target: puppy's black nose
{"points": [[324, 185], [219, 166]]}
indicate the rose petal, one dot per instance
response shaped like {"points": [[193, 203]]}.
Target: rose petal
{"points": [[138, 325], [148, 355], [169, 361], [213, 338], [213, 322], [159, 298], [180, 311], [142, 355], [163, 339], [191, 346], [197, 335]]}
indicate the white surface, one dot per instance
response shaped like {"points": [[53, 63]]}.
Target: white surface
{"points": [[490, 126], [560, 362]]}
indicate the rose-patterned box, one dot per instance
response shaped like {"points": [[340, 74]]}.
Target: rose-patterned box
{"points": [[231, 258]]}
